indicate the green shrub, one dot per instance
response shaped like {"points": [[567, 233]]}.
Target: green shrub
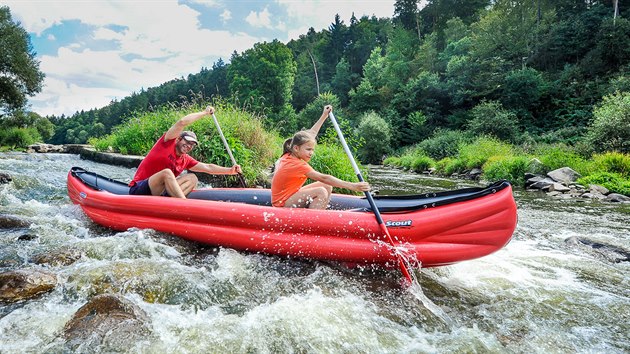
{"points": [[443, 143], [377, 135], [447, 166], [15, 137], [332, 160], [490, 118], [613, 162], [557, 156], [392, 161], [422, 163], [613, 181], [475, 154], [611, 127], [511, 168]]}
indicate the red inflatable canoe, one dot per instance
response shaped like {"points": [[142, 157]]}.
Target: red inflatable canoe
{"points": [[435, 229]]}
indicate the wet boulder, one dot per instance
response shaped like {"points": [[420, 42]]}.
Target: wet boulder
{"points": [[5, 178], [12, 222], [59, 257], [25, 284], [106, 321], [617, 198]]}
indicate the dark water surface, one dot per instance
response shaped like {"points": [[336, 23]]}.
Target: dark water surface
{"points": [[539, 294]]}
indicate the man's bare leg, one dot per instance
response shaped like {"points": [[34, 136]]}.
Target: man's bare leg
{"points": [[165, 181]]}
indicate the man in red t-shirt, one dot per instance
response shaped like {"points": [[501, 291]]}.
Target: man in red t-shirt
{"points": [[159, 172]]}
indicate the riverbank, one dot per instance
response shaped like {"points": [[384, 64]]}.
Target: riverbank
{"points": [[88, 152]]}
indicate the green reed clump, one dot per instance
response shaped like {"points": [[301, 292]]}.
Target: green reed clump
{"points": [[615, 182], [511, 168]]}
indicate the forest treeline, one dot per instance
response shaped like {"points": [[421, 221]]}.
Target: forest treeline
{"points": [[519, 70], [535, 69]]}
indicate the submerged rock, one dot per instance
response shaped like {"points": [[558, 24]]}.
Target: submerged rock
{"points": [[609, 252], [25, 284], [5, 178], [108, 321], [12, 222], [59, 257]]}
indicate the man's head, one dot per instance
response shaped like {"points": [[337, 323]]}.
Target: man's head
{"points": [[189, 136], [186, 142]]}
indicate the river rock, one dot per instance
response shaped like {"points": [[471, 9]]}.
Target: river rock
{"points": [[107, 320], [45, 148], [60, 257], [594, 188], [618, 198], [12, 222], [25, 284], [564, 175], [543, 184], [558, 187], [593, 195], [5, 178], [474, 173], [611, 253]]}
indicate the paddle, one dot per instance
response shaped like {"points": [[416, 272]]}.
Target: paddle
{"points": [[377, 214], [229, 151]]}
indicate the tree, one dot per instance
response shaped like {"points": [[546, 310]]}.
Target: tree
{"points": [[610, 130], [490, 118], [377, 138], [266, 74], [19, 69]]}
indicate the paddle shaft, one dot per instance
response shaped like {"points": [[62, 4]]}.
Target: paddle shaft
{"points": [[227, 147], [377, 213]]}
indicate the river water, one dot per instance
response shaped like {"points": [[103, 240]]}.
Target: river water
{"points": [[539, 294]]}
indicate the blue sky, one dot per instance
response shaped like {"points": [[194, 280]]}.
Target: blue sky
{"points": [[95, 51]]}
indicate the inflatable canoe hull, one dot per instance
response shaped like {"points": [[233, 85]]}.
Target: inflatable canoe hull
{"points": [[435, 229]]}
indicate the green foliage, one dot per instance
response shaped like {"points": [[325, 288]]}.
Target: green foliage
{"points": [[611, 128], [490, 118], [392, 161], [265, 73], [477, 153], [15, 137], [557, 156], [615, 182], [311, 113], [19, 68], [511, 168], [332, 160], [443, 143], [421, 163], [614, 162], [376, 134]]}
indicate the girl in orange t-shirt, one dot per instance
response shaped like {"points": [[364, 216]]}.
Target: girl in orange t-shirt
{"points": [[293, 169]]}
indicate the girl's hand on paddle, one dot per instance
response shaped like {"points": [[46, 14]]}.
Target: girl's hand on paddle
{"points": [[210, 110], [327, 110], [361, 187], [236, 170]]}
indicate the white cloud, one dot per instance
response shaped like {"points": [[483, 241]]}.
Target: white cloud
{"points": [[226, 15], [259, 19], [165, 40], [319, 14]]}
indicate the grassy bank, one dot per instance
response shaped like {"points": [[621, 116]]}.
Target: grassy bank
{"points": [[500, 160]]}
